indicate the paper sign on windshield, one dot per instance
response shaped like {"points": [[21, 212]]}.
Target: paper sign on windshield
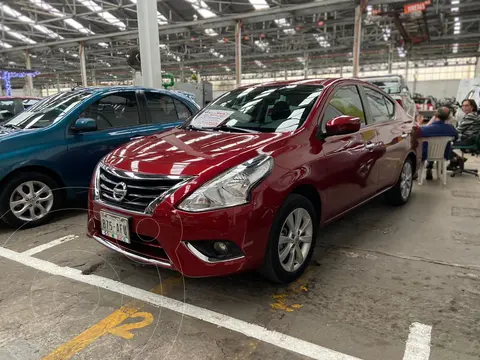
{"points": [[211, 118]]}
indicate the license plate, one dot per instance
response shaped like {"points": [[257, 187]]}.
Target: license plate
{"points": [[115, 226]]}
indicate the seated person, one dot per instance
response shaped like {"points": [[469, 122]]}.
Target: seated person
{"points": [[438, 127], [468, 130]]}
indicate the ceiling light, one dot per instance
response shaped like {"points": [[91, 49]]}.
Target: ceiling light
{"points": [[162, 20], [17, 35], [15, 14], [259, 4], [5, 45], [90, 4]]}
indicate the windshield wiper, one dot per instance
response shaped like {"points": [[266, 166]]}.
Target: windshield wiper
{"points": [[234, 128], [11, 126]]}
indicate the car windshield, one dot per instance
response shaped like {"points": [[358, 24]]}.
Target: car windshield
{"points": [[266, 108], [48, 111]]}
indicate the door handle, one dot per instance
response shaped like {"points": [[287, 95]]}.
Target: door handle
{"points": [[370, 145]]}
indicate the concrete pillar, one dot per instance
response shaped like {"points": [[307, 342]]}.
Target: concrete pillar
{"points": [[357, 40], [286, 74], [238, 53], [94, 78], [46, 89], [149, 43], [83, 64], [29, 79]]}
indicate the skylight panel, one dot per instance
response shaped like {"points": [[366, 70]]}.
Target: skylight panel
{"points": [[322, 41], [90, 4], [259, 4], [15, 14], [17, 35], [260, 64], [284, 23], [71, 22], [263, 45], [5, 45], [162, 20], [211, 32]]}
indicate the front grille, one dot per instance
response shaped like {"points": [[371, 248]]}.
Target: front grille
{"points": [[139, 190]]}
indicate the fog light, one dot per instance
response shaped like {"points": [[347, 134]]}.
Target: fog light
{"points": [[220, 247]]}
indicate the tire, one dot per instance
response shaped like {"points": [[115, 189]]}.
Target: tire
{"points": [[399, 195], [50, 199], [273, 267]]}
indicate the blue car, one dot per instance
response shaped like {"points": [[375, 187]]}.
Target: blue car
{"points": [[48, 153]]}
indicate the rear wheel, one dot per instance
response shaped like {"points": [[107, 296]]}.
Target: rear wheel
{"points": [[29, 199], [400, 193], [292, 240]]}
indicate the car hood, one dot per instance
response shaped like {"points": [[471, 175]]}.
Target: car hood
{"points": [[185, 152]]}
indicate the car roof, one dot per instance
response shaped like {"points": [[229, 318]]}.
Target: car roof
{"points": [[119, 88], [318, 82], [19, 97]]}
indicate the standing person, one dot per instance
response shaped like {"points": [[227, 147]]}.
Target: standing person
{"points": [[438, 126]]}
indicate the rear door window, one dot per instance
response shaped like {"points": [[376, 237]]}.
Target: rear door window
{"points": [[378, 106], [162, 108]]}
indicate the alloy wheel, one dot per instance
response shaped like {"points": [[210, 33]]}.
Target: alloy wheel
{"points": [[406, 180], [31, 200], [295, 239]]}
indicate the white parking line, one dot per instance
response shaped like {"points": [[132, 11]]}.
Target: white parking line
{"points": [[49, 245], [418, 342], [254, 331]]}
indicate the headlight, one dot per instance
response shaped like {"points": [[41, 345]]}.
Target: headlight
{"points": [[231, 188]]}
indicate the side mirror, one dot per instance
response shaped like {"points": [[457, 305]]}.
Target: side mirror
{"points": [[343, 125], [85, 125]]}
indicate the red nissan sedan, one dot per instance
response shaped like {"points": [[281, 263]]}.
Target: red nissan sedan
{"points": [[248, 182]]}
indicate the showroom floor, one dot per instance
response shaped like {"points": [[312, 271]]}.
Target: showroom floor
{"points": [[384, 283]]}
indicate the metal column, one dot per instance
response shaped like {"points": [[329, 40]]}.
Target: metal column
{"points": [[406, 67], [29, 79], [238, 53], [58, 83], [149, 43], [83, 64], [390, 58], [305, 65], [357, 40]]}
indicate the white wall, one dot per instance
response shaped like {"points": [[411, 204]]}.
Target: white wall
{"points": [[436, 88]]}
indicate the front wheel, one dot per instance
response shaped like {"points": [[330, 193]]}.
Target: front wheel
{"points": [[292, 240], [29, 199], [400, 193]]}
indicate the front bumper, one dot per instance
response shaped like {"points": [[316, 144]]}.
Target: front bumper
{"points": [[164, 239]]}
